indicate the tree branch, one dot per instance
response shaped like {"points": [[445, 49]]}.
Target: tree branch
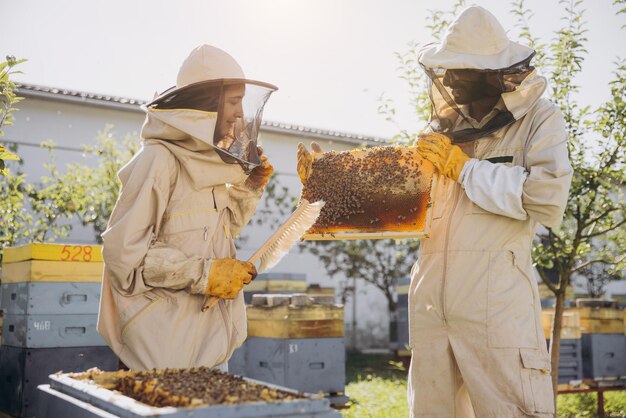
{"points": [[604, 231], [599, 260]]}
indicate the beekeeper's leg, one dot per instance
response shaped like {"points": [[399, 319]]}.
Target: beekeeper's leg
{"points": [[436, 388], [505, 382]]}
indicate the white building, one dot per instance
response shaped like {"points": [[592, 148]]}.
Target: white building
{"points": [[73, 119]]}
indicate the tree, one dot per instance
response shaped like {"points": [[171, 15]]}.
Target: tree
{"points": [[40, 211], [592, 237], [8, 99], [593, 232], [101, 182], [596, 276]]}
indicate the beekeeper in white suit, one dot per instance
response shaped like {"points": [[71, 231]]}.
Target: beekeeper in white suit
{"points": [[189, 190], [474, 314]]}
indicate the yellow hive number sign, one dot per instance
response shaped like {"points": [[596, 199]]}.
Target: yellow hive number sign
{"points": [[76, 253]]}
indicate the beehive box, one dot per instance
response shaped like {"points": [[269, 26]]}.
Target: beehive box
{"points": [[604, 355], [306, 364], [316, 289], [294, 316], [23, 369], [52, 263], [275, 283], [295, 341], [46, 331], [600, 320], [91, 394], [53, 252], [570, 325], [373, 193], [570, 361], [33, 298]]}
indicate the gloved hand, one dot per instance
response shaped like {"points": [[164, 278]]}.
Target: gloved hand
{"points": [[305, 159], [447, 158], [227, 277], [260, 176]]}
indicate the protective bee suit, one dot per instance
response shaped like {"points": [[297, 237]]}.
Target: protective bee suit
{"points": [[192, 186], [474, 311]]}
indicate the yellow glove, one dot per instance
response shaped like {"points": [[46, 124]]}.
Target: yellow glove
{"points": [[447, 158], [227, 277], [305, 159], [260, 176]]}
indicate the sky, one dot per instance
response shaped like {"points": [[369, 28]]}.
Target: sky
{"points": [[331, 59]]}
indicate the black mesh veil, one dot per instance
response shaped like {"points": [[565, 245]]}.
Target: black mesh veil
{"points": [[445, 112]]}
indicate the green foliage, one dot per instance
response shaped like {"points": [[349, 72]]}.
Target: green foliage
{"points": [[101, 184], [42, 211], [16, 219], [376, 390], [377, 397], [594, 227], [8, 99], [592, 237], [585, 405], [411, 72]]}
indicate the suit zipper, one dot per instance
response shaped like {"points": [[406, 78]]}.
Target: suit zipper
{"points": [[206, 233], [445, 259]]}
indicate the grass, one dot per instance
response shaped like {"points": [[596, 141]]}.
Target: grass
{"points": [[376, 385]]}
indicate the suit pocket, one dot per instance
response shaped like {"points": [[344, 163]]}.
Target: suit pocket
{"points": [[510, 304], [153, 300], [536, 382]]}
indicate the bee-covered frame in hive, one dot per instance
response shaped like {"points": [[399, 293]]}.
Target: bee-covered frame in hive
{"points": [[371, 193]]}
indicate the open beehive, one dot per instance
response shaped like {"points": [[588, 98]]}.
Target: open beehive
{"points": [[185, 387], [176, 393], [373, 193]]}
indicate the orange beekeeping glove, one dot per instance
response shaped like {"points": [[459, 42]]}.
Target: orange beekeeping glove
{"points": [[447, 158], [305, 159], [260, 176], [227, 277]]}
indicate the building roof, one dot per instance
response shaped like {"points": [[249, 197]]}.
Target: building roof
{"points": [[134, 105]]}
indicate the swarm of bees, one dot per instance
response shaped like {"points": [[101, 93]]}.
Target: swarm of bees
{"points": [[380, 188], [199, 386]]}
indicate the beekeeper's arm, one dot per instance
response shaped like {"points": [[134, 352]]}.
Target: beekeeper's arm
{"points": [[244, 197], [538, 190], [135, 262]]}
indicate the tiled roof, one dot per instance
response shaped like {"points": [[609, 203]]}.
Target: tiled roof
{"points": [[32, 90]]}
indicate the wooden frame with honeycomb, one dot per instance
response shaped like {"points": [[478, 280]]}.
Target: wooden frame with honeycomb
{"points": [[373, 193]]}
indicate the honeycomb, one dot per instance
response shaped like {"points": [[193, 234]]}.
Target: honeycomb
{"points": [[376, 189], [199, 386]]}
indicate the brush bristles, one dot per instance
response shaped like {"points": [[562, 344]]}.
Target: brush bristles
{"points": [[292, 230]]}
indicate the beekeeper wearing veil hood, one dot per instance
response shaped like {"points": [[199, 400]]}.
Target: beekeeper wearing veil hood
{"points": [[501, 151], [189, 190]]}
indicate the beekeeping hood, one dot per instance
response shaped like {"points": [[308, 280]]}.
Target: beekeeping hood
{"points": [[475, 40], [214, 103]]}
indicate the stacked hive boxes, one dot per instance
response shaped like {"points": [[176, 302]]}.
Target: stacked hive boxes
{"points": [[50, 296], [295, 341], [570, 357], [603, 343], [275, 283]]}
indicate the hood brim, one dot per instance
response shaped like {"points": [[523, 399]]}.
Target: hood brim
{"points": [[224, 81], [436, 55]]}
